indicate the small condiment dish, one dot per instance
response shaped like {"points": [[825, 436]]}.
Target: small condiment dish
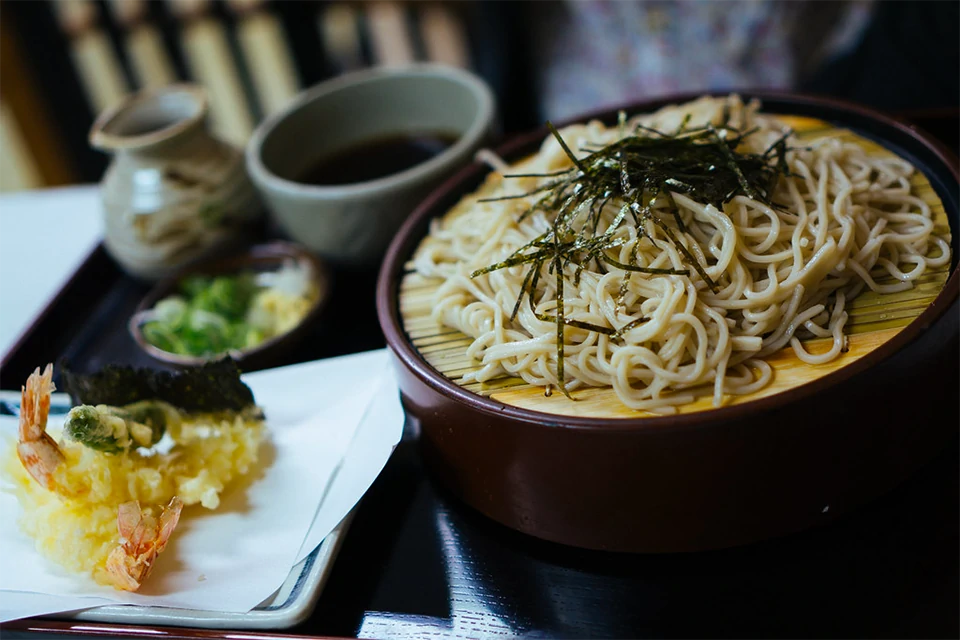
{"points": [[351, 224], [258, 259]]}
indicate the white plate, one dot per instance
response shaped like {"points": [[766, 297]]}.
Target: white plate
{"points": [[379, 429], [291, 604]]}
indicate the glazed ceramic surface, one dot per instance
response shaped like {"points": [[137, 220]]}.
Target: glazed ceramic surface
{"points": [[353, 223], [173, 193]]}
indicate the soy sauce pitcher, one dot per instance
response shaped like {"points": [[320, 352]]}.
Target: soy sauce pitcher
{"points": [[173, 193]]}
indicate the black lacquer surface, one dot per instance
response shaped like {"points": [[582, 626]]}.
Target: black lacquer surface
{"points": [[416, 563]]}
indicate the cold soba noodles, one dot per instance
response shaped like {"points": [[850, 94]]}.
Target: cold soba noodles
{"points": [[680, 250]]}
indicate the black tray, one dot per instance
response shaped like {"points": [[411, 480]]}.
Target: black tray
{"points": [[417, 563]]}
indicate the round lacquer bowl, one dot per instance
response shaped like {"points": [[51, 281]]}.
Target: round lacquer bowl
{"points": [[260, 258], [703, 479]]}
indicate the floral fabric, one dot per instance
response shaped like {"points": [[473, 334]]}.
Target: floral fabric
{"points": [[596, 53]]}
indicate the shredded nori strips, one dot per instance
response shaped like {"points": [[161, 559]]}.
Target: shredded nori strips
{"points": [[632, 173], [214, 386]]}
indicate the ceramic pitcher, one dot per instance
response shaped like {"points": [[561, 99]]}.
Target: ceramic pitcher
{"points": [[173, 193]]}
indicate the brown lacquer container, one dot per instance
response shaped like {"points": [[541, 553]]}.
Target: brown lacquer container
{"points": [[702, 480], [257, 259]]}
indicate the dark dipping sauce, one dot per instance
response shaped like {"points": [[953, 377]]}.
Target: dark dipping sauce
{"points": [[376, 158]]}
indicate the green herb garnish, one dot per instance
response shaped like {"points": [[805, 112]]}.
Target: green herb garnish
{"points": [[207, 318], [633, 174]]}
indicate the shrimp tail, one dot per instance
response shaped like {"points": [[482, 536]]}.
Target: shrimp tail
{"points": [[38, 452], [143, 537]]}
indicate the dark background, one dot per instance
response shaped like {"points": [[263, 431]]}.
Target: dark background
{"points": [[908, 59], [416, 563]]}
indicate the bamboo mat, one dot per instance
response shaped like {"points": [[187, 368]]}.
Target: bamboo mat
{"points": [[874, 319]]}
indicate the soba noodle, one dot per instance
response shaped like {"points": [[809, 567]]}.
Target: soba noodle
{"points": [[843, 218]]}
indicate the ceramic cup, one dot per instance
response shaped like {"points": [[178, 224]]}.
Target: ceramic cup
{"points": [[352, 224]]}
